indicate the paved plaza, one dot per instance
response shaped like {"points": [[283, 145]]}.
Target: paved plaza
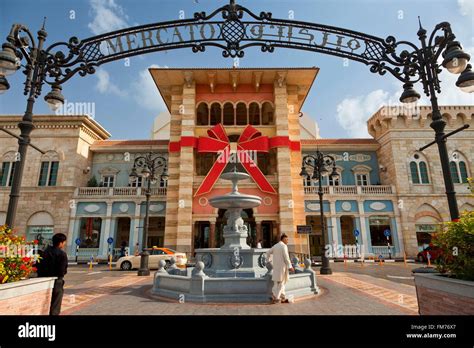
{"points": [[352, 289]]}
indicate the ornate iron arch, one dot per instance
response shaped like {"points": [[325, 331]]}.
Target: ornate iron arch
{"points": [[238, 30]]}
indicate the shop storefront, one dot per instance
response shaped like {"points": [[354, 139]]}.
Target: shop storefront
{"points": [[425, 228]]}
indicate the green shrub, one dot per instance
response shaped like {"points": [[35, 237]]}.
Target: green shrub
{"points": [[456, 241], [92, 182]]}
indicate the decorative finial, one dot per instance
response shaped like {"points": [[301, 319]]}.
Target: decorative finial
{"points": [[421, 32], [44, 23]]}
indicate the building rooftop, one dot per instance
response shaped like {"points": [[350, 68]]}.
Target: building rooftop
{"points": [[166, 78], [130, 142], [347, 141], [42, 121]]}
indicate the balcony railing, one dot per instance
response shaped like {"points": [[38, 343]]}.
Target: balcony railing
{"points": [[313, 190], [118, 191], [93, 191], [351, 190], [344, 190], [377, 190]]}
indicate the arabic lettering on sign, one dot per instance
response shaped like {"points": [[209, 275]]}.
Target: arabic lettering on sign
{"points": [[176, 34]]}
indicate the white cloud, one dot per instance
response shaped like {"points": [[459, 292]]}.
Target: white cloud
{"points": [[466, 7], [107, 16], [450, 93], [353, 112], [105, 86], [143, 89], [145, 93]]}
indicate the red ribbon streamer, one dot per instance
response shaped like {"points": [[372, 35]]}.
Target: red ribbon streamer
{"points": [[218, 142]]}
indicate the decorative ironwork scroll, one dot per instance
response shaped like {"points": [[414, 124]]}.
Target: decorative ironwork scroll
{"points": [[234, 28]]}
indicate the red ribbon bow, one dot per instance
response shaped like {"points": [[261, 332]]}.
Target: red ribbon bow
{"points": [[250, 139]]}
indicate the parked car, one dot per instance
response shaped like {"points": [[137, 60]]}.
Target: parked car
{"points": [[432, 250], [156, 254]]}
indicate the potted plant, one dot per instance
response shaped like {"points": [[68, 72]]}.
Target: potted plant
{"points": [[450, 290], [18, 293], [16, 263], [92, 182]]}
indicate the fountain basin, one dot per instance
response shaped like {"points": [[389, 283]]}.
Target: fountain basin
{"points": [[235, 200], [235, 272], [203, 289], [233, 262]]}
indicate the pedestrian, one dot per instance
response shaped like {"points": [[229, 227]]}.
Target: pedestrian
{"points": [[122, 248], [54, 264], [280, 259], [259, 244], [137, 251]]}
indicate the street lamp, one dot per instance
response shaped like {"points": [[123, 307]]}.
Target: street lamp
{"points": [[41, 67], [421, 65], [319, 164], [4, 85], [149, 164], [54, 98], [466, 80]]}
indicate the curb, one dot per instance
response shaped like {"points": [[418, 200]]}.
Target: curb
{"points": [[318, 263]]}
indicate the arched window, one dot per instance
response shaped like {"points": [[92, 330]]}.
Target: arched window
{"points": [[241, 114], [458, 168], [49, 169], [454, 172], [254, 114], [267, 113], [463, 171], [216, 113], [202, 115], [40, 227], [228, 114], [415, 175], [419, 170], [7, 168]]}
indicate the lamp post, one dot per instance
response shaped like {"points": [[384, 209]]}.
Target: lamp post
{"points": [[421, 65], [319, 164], [149, 164], [39, 63]]}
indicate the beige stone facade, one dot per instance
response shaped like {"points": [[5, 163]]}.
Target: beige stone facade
{"points": [[400, 134], [66, 140]]}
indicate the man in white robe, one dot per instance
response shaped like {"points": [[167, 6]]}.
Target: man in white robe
{"points": [[280, 259]]}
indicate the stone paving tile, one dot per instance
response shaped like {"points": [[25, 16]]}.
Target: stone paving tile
{"points": [[337, 297], [385, 283], [89, 291], [394, 297]]}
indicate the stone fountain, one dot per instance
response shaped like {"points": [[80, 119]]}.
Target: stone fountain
{"points": [[235, 272]]}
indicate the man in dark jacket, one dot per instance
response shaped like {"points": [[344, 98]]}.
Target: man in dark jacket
{"points": [[54, 264]]}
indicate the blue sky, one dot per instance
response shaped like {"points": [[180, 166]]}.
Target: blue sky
{"points": [[341, 100]]}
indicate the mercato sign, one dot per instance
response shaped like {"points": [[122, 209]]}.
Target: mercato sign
{"points": [[182, 34]]}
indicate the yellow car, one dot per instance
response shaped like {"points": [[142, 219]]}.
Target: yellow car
{"points": [[127, 263]]}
